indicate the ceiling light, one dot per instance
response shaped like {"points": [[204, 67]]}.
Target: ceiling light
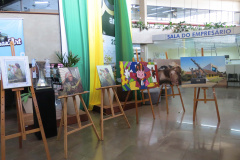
{"points": [[152, 14], [168, 11], [41, 2], [156, 8]]}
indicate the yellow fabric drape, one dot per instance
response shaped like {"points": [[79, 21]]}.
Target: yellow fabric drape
{"points": [[95, 49]]}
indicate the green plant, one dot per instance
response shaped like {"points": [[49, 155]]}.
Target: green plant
{"points": [[25, 96], [168, 27], [68, 60]]}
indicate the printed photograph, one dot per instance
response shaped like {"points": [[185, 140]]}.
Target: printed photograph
{"points": [[106, 76], [71, 80], [204, 70], [169, 71], [15, 72], [138, 75]]}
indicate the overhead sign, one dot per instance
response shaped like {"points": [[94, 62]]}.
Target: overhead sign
{"points": [[197, 34], [11, 30]]}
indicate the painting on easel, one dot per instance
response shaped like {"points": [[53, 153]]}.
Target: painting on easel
{"points": [[106, 76], [169, 71], [71, 81], [15, 72], [138, 75], [204, 70]]}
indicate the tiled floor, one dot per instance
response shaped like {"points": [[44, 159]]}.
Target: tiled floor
{"points": [[168, 137]]}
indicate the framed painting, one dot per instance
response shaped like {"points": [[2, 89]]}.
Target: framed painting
{"points": [[138, 75], [106, 76], [71, 80], [208, 70], [169, 71], [15, 72]]}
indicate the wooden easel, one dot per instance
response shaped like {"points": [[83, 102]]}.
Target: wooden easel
{"points": [[63, 121], [143, 99], [21, 125], [169, 95], [111, 106], [196, 98]]}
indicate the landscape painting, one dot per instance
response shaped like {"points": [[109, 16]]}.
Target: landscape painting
{"points": [[204, 70], [138, 75], [71, 81], [169, 71], [106, 76]]}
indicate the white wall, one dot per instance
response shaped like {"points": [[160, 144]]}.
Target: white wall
{"points": [[41, 35], [228, 5]]}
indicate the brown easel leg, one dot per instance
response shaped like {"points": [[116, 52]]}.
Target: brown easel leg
{"points": [[143, 99], [215, 98], [150, 99], [172, 91], [3, 140], [126, 99], [20, 111], [159, 95], [198, 93], [65, 127], [60, 126], [194, 103], [120, 107], [40, 122], [89, 116], [19, 125], [181, 98], [77, 111], [166, 95], [136, 105], [101, 119], [110, 101]]}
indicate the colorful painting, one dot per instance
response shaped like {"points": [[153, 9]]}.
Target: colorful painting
{"points": [[138, 75], [204, 70], [169, 71], [71, 81], [106, 76], [15, 72]]}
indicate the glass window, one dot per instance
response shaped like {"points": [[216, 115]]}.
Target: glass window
{"points": [[236, 18], [194, 14], [152, 12], [225, 16], [135, 12], [177, 14], [219, 16], [213, 16], [47, 6], [203, 16], [188, 15], [164, 14]]}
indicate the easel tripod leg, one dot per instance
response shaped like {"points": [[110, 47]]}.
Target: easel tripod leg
{"points": [[136, 105], [3, 140], [89, 116], [198, 97], [181, 98], [120, 106], [194, 104], [101, 119], [65, 127], [150, 99], [19, 125], [126, 99], [166, 95], [60, 126], [215, 98], [159, 95]]}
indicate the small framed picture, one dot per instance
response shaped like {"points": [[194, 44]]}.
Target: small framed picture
{"points": [[15, 72], [106, 76]]}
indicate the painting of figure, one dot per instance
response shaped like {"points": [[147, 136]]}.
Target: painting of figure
{"points": [[138, 75], [204, 70], [169, 71], [71, 81], [15, 71], [106, 76]]}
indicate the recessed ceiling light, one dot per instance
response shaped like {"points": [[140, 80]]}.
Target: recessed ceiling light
{"points": [[41, 2]]}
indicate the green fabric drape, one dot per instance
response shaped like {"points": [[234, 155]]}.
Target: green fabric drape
{"points": [[76, 24], [123, 39]]}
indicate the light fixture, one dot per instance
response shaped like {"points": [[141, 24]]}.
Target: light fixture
{"points": [[156, 8], [152, 14], [41, 2], [236, 130], [168, 11]]}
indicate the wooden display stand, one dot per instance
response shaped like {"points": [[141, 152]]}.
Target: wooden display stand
{"points": [[169, 95], [111, 105], [63, 121], [143, 99], [196, 97], [21, 124]]}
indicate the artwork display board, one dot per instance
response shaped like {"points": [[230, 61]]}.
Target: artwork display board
{"points": [[169, 71], [71, 81], [106, 76], [209, 70], [138, 75], [15, 72]]}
